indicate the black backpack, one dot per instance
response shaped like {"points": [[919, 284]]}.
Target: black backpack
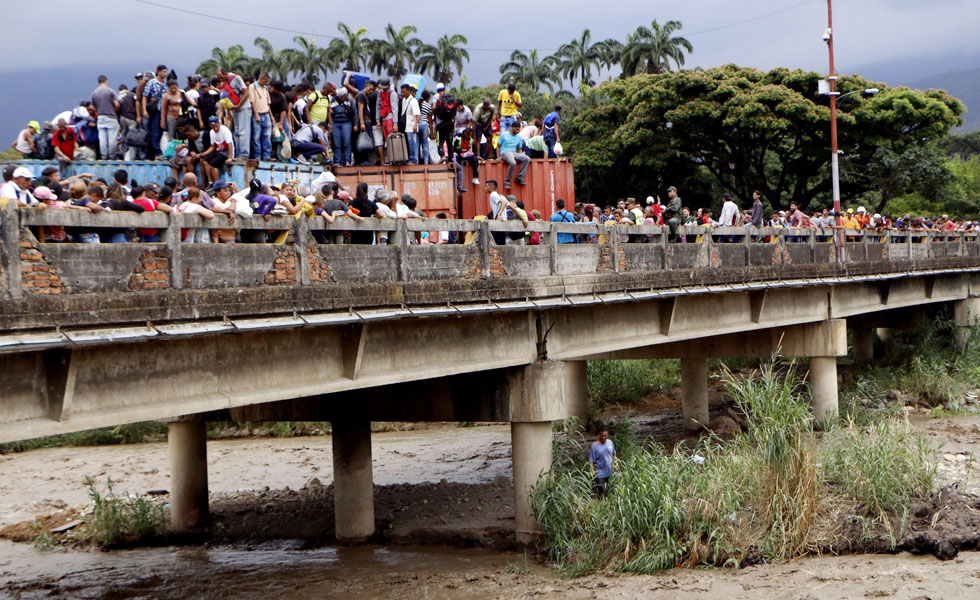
{"points": [[446, 107]]}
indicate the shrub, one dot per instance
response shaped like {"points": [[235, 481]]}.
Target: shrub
{"points": [[118, 519], [629, 381]]}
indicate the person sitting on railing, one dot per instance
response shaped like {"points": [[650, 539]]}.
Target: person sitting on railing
{"points": [[192, 206], [465, 154], [145, 196]]}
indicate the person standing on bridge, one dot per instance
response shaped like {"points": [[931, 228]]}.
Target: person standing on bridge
{"points": [[602, 461]]}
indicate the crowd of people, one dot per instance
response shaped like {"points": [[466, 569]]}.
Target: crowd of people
{"points": [[230, 117], [325, 197]]}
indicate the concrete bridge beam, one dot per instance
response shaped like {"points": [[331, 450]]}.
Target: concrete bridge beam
{"points": [[187, 447], [353, 482], [694, 389]]}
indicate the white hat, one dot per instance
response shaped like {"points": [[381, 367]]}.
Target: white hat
{"points": [[877, 216], [23, 172], [861, 209], [441, 86], [649, 199], [341, 91]]}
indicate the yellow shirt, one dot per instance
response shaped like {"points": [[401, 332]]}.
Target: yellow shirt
{"points": [[507, 103], [319, 105]]}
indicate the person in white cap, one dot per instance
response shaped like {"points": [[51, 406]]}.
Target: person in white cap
{"points": [[18, 188]]}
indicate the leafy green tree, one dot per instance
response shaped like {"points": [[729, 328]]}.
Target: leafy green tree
{"points": [[962, 146], [440, 59], [918, 169], [753, 130], [530, 71], [309, 60], [579, 57], [275, 62], [232, 59], [350, 48], [651, 50], [395, 54]]}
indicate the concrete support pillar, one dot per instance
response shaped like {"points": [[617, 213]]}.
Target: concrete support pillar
{"points": [[823, 384], [694, 388], [537, 397], [577, 390], [187, 444], [532, 456], [864, 346], [966, 314], [353, 483]]}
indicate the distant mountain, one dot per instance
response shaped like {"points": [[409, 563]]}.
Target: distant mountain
{"points": [[965, 85]]}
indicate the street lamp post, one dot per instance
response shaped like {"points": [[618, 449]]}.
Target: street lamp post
{"points": [[834, 166]]}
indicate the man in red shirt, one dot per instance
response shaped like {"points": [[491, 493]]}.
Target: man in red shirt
{"points": [[146, 197], [65, 142]]}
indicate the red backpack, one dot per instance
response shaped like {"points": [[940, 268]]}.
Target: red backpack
{"points": [[226, 88], [385, 104]]}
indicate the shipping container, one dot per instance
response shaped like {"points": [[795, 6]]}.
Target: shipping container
{"points": [[547, 180], [433, 186]]}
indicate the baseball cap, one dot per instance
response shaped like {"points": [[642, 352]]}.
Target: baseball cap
{"points": [[220, 185], [850, 211], [34, 125], [343, 195], [151, 187], [671, 189], [649, 200], [861, 209], [384, 81], [877, 216], [23, 172], [212, 119], [440, 87], [44, 193], [341, 92]]}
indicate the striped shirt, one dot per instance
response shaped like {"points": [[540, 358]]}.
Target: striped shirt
{"points": [[425, 108]]}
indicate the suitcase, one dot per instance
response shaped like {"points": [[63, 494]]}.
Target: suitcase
{"points": [[396, 148]]}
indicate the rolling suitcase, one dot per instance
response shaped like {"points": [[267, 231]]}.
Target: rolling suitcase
{"points": [[396, 148]]}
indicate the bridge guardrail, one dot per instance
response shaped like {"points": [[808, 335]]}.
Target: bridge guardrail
{"points": [[310, 251]]}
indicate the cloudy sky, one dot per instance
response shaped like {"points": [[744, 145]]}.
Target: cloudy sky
{"points": [[110, 32], [67, 44]]}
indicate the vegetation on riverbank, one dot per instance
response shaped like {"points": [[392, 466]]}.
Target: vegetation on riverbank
{"points": [[768, 494]]}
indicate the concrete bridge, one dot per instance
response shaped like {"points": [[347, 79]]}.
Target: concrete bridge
{"points": [[98, 335]]}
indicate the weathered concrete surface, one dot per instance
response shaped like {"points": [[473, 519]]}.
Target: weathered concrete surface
{"points": [[823, 385], [694, 387], [532, 456], [187, 445], [353, 482], [94, 267], [226, 265]]}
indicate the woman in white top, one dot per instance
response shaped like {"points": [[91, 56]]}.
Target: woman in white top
{"points": [[192, 205]]}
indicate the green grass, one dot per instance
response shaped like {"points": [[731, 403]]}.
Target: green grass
{"points": [[117, 519], [629, 381], [131, 433], [760, 496]]}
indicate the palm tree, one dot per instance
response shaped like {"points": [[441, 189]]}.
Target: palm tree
{"points": [[610, 53], [309, 60], [580, 56], [350, 48], [275, 62], [395, 53], [651, 50], [441, 58], [531, 71], [231, 60]]}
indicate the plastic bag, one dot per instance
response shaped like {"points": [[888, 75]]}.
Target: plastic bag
{"points": [[365, 143], [558, 149]]}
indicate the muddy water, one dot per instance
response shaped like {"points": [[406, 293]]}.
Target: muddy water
{"points": [[282, 571]]}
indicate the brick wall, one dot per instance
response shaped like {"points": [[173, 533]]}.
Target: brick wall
{"points": [[37, 275], [496, 264], [283, 270], [319, 269], [151, 273]]}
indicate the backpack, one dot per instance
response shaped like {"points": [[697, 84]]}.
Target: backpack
{"points": [[226, 88], [42, 144], [446, 107]]}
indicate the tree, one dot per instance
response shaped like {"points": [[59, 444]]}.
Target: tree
{"points": [[309, 60], [530, 71], [651, 50], [754, 130], [275, 62], [395, 54], [442, 57], [233, 60], [580, 56], [350, 48]]}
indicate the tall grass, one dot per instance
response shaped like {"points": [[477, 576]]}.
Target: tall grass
{"points": [[629, 381], [117, 519], [756, 497]]}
